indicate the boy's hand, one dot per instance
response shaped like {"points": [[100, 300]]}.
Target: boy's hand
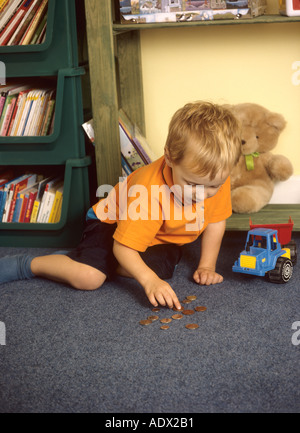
{"points": [[160, 292], [207, 276]]}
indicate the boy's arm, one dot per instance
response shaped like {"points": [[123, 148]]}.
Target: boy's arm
{"points": [[157, 290], [210, 247]]}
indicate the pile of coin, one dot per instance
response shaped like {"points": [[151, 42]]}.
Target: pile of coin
{"points": [[180, 314]]}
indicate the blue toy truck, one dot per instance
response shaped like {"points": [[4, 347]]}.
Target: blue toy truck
{"points": [[269, 251]]}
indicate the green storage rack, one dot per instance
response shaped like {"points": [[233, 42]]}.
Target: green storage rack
{"points": [[59, 50], [64, 150]]}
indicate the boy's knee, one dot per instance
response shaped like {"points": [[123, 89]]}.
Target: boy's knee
{"points": [[89, 278]]}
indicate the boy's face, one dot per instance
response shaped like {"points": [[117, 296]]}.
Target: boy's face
{"points": [[183, 176]]}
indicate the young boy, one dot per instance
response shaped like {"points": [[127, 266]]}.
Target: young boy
{"points": [[138, 229]]}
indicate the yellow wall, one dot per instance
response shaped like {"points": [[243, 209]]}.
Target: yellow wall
{"points": [[223, 64]]}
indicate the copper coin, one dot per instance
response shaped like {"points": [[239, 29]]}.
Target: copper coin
{"points": [[176, 309], [188, 312], [166, 320], [177, 316], [200, 308], [145, 322], [191, 298], [186, 301], [192, 326], [165, 327], [153, 318], [155, 310]]}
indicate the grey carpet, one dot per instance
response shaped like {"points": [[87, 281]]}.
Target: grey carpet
{"points": [[72, 351]]}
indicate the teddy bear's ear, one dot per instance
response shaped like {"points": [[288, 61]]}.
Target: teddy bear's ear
{"points": [[276, 120]]}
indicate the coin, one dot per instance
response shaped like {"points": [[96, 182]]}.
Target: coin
{"points": [[192, 326], [166, 320], [186, 301], [188, 312], [200, 308], [155, 310], [145, 322], [177, 316], [191, 297], [153, 318], [165, 327], [176, 309]]}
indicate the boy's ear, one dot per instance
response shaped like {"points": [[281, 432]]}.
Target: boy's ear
{"points": [[167, 157]]}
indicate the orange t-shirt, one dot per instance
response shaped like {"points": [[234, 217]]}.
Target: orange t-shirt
{"points": [[147, 212]]}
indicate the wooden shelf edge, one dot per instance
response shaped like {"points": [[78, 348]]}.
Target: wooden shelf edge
{"points": [[272, 213], [262, 19]]}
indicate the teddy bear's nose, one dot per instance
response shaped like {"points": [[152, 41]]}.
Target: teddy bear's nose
{"points": [[243, 142]]}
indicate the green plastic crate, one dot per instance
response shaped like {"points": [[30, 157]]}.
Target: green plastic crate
{"points": [[57, 52], [67, 140], [67, 232]]}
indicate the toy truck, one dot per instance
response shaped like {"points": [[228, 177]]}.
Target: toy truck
{"points": [[269, 251]]}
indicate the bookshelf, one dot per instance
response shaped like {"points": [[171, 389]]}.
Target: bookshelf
{"points": [[63, 152], [116, 80]]}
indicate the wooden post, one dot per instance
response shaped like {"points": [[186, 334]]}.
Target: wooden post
{"points": [[104, 90]]}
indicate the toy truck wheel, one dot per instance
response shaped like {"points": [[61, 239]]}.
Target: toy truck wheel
{"points": [[293, 249], [282, 272]]}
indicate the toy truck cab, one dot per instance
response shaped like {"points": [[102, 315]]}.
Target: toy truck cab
{"points": [[265, 256]]}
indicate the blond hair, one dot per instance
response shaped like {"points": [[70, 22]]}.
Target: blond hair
{"points": [[206, 136]]}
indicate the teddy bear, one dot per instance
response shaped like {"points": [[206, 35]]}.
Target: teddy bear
{"points": [[254, 177]]}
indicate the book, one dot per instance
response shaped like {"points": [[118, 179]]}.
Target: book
{"points": [[42, 209], [128, 151], [42, 25], [32, 112], [16, 112], [3, 95], [89, 130], [138, 140], [8, 11], [26, 112], [42, 36], [20, 104], [7, 115], [14, 22], [32, 193], [7, 197], [3, 3], [38, 16], [36, 205], [48, 115], [18, 207], [57, 203], [26, 196], [49, 202], [126, 170], [26, 20], [43, 108], [25, 181], [7, 110], [5, 176]]}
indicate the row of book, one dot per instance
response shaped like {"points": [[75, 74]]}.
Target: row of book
{"points": [[26, 111], [23, 22], [135, 151], [30, 198]]}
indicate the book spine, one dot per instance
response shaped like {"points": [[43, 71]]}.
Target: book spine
{"points": [[35, 210], [18, 208], [33, 25], [32, 197], [10, 28], [24, 208], [18, 34], [8, 117]]}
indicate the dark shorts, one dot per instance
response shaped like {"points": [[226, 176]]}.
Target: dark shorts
{"points": [[96, 245]]}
